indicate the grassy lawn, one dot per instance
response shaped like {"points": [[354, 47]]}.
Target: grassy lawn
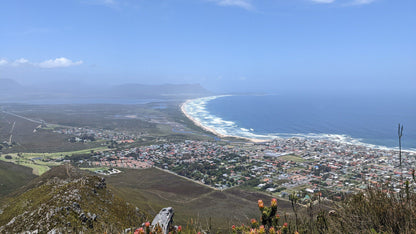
{"points": [[94, 169], [41, 162], [37, 169], [61, 154], [293, 158]]}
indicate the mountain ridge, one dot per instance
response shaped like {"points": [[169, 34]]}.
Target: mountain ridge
{"points": [[66, 199], [12, 91]]}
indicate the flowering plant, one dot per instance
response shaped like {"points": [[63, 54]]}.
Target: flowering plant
{"points": [[268, 224]]}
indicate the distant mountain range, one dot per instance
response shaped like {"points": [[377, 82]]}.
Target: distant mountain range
{"points": [[158, 91], [12, 91]]}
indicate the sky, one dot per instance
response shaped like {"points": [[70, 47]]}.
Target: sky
{"points": [[224, 45]]}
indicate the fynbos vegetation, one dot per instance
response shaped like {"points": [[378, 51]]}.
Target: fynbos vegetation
{"points": [[375, 210]]}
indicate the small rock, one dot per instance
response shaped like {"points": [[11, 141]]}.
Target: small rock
{"points": [[82, 217], [76, 205]]}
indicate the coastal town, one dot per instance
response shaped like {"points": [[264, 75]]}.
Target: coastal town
{"points": [[278, 167]]}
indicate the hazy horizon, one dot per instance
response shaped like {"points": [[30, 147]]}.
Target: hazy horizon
{"points": [[365, 46]]}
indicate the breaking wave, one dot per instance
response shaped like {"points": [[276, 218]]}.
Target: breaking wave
{"points": [[197, 109]]}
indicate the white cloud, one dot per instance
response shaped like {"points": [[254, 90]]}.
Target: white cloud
{"points": [[323, 1], [245, 4], [362, 2], [108, 3], [51, 63], [20, 61], [346, 3], [58, 62], [3, 62]]}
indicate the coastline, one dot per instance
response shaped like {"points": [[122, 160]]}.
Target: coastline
{"points": [[211, 130], [338, 138]]}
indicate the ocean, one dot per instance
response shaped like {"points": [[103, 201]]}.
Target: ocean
{"points": [[365, 120]]}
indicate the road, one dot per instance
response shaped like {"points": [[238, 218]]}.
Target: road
{"points": [[22, 117]]}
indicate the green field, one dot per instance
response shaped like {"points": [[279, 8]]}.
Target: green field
{"points": [[41, 162], [37, 168], [293, 158], [61, 154]]}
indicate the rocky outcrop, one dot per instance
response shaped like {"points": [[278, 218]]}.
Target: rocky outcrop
{"points": [[75, 203]]}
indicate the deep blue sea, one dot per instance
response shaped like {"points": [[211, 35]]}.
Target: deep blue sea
{"points": [[371, 120]]}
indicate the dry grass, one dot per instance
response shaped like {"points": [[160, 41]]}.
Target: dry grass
{"points": [[153, 189], [12, 177], [379, 210]]}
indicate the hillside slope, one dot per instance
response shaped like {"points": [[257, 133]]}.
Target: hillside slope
{"points": [[152, 189], [12, 177], [66, 199]]}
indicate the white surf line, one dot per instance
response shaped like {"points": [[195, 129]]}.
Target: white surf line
{"points": [[201, 113], [234, 131]]}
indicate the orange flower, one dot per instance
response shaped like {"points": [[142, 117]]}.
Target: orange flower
{"points": [[285, 225], [147, 224], [262, 230], [274, 202], [233, 227], [277, 216], [272, 231], [139, 231], [261, 204], [253, 221]]}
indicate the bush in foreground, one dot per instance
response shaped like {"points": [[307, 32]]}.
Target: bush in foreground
{"points": [[377, 210], [269, 221], [374, 210]]}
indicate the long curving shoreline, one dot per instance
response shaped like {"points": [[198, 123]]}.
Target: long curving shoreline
{"points": [[212, 130]]}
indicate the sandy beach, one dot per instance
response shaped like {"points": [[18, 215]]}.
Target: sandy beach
{"points": [[208, 129]]}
